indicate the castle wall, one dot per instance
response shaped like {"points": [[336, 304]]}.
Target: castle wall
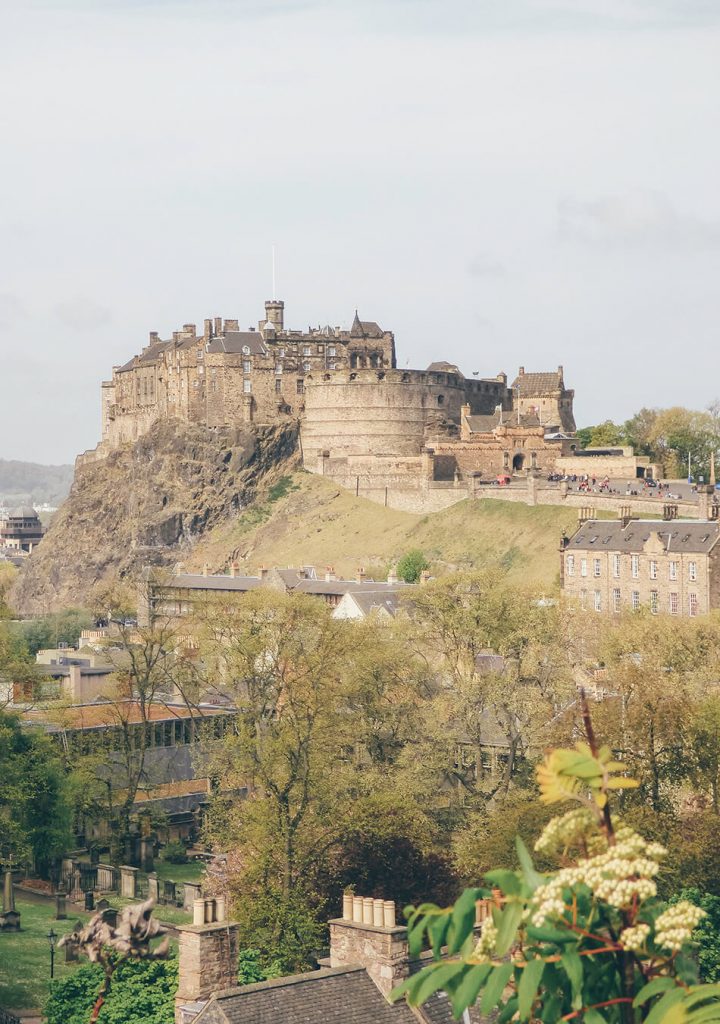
{"points": [[388, 412]]}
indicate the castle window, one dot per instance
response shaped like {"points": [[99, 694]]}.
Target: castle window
{"points": [[278, 368], [300, 387], [570, 564], [321, 349], [247, 387], [596, 567], [306, 350], [332, 366], [246, 350], [331, 350], [353, 361], [616, 599], [278, 386], [306, 367], [282, 353], [583, 566], [440, 399], [247, 366]]}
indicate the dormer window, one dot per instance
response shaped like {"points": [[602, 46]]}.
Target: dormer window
{"points": [[246, 350]]}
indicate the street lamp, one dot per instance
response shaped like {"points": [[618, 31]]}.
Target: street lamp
{"points": [[52, 939]]}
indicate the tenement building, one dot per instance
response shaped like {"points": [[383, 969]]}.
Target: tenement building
{"points": [[667, 567]]}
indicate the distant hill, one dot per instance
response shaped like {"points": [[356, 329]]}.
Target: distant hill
{"points": [[22, 482]]}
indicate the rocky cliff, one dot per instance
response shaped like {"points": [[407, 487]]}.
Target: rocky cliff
{"points": [[148, 504]]}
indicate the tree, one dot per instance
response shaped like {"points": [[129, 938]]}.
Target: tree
{"points": [[412, 565], [142, 990], [8, 575], [34, 799], [591, 941]]}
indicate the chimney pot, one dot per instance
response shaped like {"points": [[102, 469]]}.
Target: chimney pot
{"points": [[220, 909], [218, 325], [357, 909], [209, 911], [198, 912], [389, 913], [367, 910], [378, 913], [347, 911]]}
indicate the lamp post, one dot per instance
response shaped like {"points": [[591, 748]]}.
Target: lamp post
{"points": [[52, 939]]}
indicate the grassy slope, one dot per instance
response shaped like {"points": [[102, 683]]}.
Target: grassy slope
{"points": [[317, 523]]}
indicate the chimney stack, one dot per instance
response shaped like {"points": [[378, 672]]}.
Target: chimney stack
{"points": [[330, 573], [392, 576], [425, 576], [218, 325], [207, 330], [154, 336], [263, 572], [206, 569], [360, 574], [234, 569], [207, 958], [368, 936]]}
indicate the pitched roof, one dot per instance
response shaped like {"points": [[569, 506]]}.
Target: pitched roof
{"points": [[677, 536], [106, 714], [235, 342], [369, 601], [365, 328], [529, 384]]}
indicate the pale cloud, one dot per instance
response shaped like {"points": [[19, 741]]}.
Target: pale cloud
{"points": [[638, 218], [483, 265], [82, 314], [11, 309]]}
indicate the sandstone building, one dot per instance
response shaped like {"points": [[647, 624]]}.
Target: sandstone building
{"points": [[21, 531], [667, 567], [226, 376]]}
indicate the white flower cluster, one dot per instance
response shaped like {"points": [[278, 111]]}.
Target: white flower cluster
{"points": [[617, 875], [560, 832], [486, 943], [674, 926], [635, 938]]}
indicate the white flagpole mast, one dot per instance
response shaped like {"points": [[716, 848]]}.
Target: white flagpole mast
{"points": [[274, 292]]}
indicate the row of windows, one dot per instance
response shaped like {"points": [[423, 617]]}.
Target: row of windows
{"points": [[634, 567], [172, 733], [673, 604]]}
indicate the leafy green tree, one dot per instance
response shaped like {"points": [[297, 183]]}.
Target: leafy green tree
{"points": [[254, 967], [412, 565], [142, 990], [590, 941], [605, 434], [34, 799], [707, 933]]}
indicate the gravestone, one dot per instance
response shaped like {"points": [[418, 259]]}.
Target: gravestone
{"points": [[128, 882], [60, 906], [192, 892], [153, 888], [10, 918]]}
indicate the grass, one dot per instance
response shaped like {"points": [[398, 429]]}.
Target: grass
{"points": [[25, 955], [193, 871], [315, 522]]}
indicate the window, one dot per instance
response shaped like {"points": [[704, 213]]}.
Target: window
{"points": [[653, 569], [570, 565], [321, 349], [693, 604], [306, 367], [616, 599], [278, 368], [673, 570], [331, 350], [583, 566], [673, 604], [332, 366], [635, 566], [247, 387], [598, 601], [300, 388], [654, 602], [616, 566], [440, 399], [247, 366], [596, 567], [692, 571], [306, 350], [278, 386], [635, 599], [583, 598]]}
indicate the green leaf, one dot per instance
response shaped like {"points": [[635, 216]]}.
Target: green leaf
{"points": [[548, 934], [593, 1016], [508, 1011], [431, 979], [495, 986], [463, 919], [652, 988], [551, 1011], [528, 986], [508, 881], [437, 931], [415, 935], [507, 921], [572, 964], [531, 876], [664, 1004], [467, 991]]}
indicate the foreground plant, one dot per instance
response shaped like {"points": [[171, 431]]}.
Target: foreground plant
{"points": [[111, 945], [590, 942]]}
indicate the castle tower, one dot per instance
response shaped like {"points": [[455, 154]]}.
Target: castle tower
{"points": [[274, 312]]}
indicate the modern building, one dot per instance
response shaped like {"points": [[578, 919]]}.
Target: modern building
{"points": [[667, 567]]}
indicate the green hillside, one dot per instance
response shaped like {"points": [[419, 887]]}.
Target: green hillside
{"points": [[22, 482], [305, 520]]}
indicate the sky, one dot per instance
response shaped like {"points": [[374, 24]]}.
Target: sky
{"points": [[499, 182]]}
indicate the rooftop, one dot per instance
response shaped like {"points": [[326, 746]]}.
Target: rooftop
{"points": [[679, 535], [105, 714]]}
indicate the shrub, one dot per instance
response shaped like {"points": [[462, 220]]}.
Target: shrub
{"points": [[175, 853], [143, 992], [411, 566]]}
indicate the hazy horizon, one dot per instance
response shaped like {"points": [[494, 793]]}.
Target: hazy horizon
{"points": [[531, 183]]}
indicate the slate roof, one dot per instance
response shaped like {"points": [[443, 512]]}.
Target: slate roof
{"points": [[370, 601], [290, 577], [189, 581], [342, 995], [677, 536], [235, 341], [482, 424], [102, 715], [530, 384], [365, 328]]}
